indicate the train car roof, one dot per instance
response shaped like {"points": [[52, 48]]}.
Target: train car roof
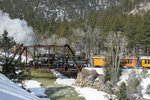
{"points": [[128, 58], [101, 57], [145, 57]]}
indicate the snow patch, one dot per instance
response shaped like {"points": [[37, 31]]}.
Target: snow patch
{"points": [[91, 94], [63, 79], [35, 87], [144, 82], [98, 70], [142, 8], [11, 91], [125, 74]]}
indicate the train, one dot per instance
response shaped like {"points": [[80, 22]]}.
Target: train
{"points": [[125, 61], [58, 61]]}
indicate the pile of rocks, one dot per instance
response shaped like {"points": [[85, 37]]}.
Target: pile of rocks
{"points": [[90, 78]]}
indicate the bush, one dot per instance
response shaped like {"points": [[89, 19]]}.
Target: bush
{"points": [[121, 94], [133, 82], [107, 71], [144, 72], [15, 72], [148, 89]]}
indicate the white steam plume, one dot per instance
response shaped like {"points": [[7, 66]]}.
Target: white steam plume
{"points": [[18, 29]]}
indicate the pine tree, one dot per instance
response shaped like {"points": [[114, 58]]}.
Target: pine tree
{"points": [[6, 43], [13, 70], [121, 94], [107, 72]]}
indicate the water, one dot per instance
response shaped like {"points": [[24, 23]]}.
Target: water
{"points": [[62, 92], [55, 91]]}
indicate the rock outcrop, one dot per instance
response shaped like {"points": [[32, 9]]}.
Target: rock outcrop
{"points": [[90, 78]]}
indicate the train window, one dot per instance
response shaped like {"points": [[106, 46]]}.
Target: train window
{"points": [[148, 61], [123, 61], [120, 61], [131, 61], [145, 61], [126, 61]]}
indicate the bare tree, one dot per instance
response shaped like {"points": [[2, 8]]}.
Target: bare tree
{"points": [[86, 40], [54, 40], [116, 44]]}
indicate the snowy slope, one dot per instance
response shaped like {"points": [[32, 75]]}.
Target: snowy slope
{"points": [[11, 91]]}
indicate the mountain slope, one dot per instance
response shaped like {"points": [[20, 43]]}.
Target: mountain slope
{"points": [[53, 9]]}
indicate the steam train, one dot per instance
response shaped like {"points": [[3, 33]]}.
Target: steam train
{"points": [[128, 61], [59, 61]]}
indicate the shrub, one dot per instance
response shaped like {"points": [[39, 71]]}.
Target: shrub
{"points": [[107, 71], [148, 89], [133, 82], [121, 94], [144, 72]]}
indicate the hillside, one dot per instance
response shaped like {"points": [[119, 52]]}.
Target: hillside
{"points": [[48, 9], [88, 29], [141, 8]]}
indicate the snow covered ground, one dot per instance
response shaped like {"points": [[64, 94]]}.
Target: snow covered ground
{"points": [[87, 93], [124, 77], [11, 91], [35, 88], [93, 94], [98, 70], [144, 82]]}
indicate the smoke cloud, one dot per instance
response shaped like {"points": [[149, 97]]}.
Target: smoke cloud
{"points": [[18, 29]]}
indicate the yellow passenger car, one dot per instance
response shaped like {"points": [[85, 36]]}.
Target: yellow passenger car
{"points": [[128, 61], [145, 61], [99, 61]]}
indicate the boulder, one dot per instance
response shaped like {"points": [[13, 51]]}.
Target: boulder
{"points": [[90, 78]]}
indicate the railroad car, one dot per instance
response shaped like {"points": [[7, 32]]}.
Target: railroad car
{"points": [[145, 61], [128, 61], [99, 61]]}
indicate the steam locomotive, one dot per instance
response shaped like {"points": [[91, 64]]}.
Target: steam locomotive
{"points": [[58, 61]]}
